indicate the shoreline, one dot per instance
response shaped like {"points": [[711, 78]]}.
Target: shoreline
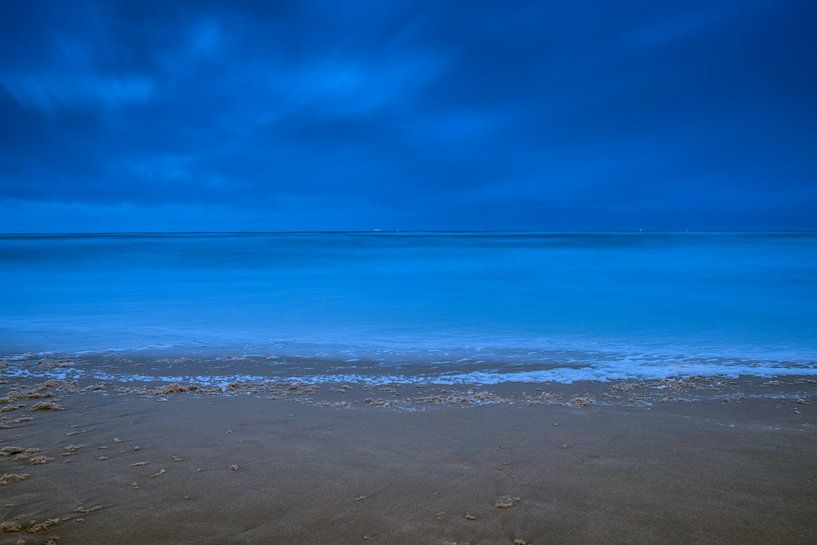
{"points": [[673, 461], [209, 371], [15, 387], [59, 375]]}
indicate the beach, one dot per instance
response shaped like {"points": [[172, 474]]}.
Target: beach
{"points": [[408, 273], [695, 460]]}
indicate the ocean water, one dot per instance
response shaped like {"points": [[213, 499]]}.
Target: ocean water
{"points": [[418, 307]]}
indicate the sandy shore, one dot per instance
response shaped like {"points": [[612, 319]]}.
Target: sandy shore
{"points": [[720, 462]]}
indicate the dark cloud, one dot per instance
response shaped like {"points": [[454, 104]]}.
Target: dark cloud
{"points": [[278, 115]]}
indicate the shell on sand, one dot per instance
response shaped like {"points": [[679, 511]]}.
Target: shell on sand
{"points": [[175, 389], [86, 510], [38, 394], [71, 449], [10, 526], [503, 502], [43, 526], [26, 453], [8, 478], [46, 406]]}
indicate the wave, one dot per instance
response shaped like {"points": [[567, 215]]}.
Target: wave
{"points": [[111, 367]]}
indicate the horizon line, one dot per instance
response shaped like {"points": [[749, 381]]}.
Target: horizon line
{"points": [[408, 231]]}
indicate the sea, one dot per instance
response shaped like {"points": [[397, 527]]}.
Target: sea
{"points": [[411, 307]]}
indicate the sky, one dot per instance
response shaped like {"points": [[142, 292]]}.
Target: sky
{"points": [[241, 115]]}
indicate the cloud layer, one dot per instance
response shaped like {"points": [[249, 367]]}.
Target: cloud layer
{"points": [[459, 115]]}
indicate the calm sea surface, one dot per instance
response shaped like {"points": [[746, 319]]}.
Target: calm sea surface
{"points": [[446, 306]]}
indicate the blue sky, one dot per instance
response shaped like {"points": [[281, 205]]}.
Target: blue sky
{"points": [[581, 115]]}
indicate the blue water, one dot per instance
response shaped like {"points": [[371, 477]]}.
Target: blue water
{"points": [[501, 306]]}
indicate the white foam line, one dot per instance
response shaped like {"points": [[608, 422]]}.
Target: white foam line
{"points": [[75, 374], [564, 375]]}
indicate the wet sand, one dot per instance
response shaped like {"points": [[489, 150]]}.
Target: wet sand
{"points": [[589, 463]]}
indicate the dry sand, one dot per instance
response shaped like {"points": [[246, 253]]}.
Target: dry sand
{"points": [[539, 464]]}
